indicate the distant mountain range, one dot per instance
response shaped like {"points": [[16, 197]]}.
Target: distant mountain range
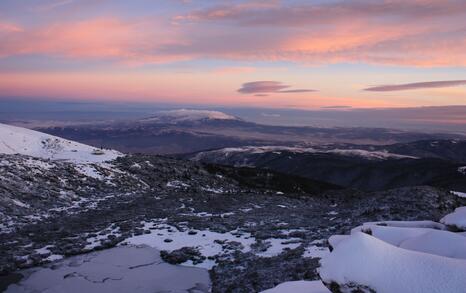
{"points": [[360, 158], [186, 131]]}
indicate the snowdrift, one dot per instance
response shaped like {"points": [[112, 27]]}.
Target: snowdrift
{"points": [[410, 257]]}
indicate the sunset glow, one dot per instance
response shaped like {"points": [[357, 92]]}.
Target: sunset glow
{"points": [[325, 53]]}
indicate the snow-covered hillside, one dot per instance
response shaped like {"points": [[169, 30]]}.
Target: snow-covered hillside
{"points": [[17, 140], [369, 155], [187, 115]]}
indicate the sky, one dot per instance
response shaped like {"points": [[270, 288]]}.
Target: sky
{"points": [[297, 54]]}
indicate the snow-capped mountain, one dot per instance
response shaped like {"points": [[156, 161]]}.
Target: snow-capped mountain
{"points": [[188, 115], [18, 140]]}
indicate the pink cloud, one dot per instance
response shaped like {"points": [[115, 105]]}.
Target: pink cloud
{"points": [[55, 4], [273, 13], [417, 33], [259, 88], [394, 32], [6, 27], [99, 38], [235, 70]]}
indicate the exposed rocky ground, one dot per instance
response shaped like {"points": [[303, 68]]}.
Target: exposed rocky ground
{"points": [[253, 229]]}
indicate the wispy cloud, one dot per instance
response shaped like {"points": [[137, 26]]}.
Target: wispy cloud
{"points": [[416, 85], [336, 107], [261, 88], [55, 4], [6, 27], [104, 38], [235, 70], [424, 33], [428, 33], [274, 13], [270, 115]]}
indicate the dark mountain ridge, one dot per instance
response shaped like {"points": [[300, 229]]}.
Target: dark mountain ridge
{"points": [[376, 169]]}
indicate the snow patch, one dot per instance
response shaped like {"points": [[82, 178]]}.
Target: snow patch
{"points": [[299, 287], [89, 171], [276, 246], [316, 251], [219, 190], [46, 251], [438, 242], [459, 194], [20, 203], [462, 170], [402, 224], [166, 237], [95, 241], [177, 184], [456, 219]]}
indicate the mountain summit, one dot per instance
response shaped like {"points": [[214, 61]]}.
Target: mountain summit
{"points": [[188, 115]]}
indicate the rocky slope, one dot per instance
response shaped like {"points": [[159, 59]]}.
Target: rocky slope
{"points": [[252, 236], [253, 229]]}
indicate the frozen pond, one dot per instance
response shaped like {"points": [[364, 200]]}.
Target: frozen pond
{"points": [[120, 269]]}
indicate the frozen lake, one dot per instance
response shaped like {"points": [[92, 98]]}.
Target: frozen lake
{"points": [[120, 269]]}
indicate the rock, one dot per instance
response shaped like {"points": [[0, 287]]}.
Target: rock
{"points": [[183, 255]]}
